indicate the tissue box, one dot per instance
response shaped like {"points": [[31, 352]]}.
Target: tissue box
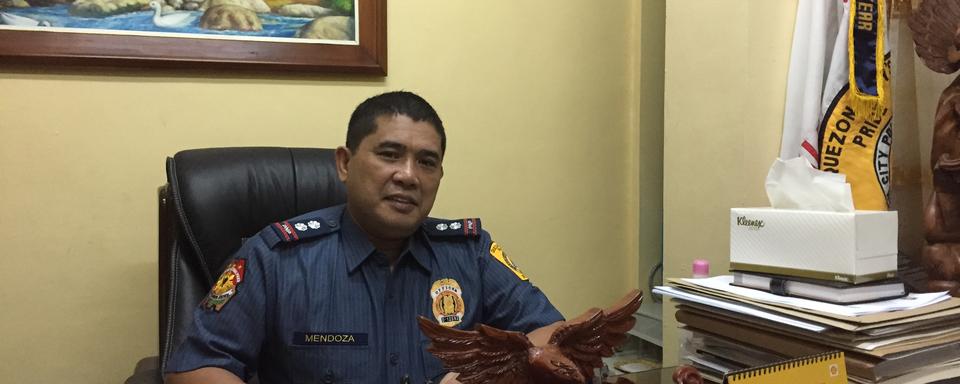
{"points": [[852, 247]]}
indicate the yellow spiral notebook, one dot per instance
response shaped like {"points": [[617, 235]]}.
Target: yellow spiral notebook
{"points": [[827, 368]]}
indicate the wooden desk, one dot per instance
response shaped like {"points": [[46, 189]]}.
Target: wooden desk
{"points": [[655, 376]]}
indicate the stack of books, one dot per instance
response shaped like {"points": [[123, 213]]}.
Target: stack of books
{"points": [[894, 338]]}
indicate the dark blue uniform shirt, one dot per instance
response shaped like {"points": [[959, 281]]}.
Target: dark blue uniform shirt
{"points": [[310, 300]]}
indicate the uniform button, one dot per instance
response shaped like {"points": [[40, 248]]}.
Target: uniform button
{"points": [[331, 223], [405, 379], [394, 359]]}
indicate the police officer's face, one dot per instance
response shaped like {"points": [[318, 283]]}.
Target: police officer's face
{"points": [[393, 177]]}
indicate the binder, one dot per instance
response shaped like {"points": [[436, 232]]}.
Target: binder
{"points": [[826, 368], [821, 290]]}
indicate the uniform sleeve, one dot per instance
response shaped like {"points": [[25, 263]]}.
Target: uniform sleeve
{"points": [[228, 326], [510, 300]]}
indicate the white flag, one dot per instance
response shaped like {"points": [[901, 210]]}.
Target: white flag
{"points": [[838, 112]]}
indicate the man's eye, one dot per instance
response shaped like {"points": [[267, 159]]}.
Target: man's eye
{"points": [[388, 155], [430, 163]]}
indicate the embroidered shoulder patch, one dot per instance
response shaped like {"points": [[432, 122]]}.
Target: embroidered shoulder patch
{"points": [[498, 254], [225, 287]]}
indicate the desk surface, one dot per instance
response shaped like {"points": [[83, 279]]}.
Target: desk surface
{"points": [[655, 376]]}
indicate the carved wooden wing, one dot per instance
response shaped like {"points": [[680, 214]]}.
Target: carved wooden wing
{"points": [[934, 25], [484, 355], [596, 333]]}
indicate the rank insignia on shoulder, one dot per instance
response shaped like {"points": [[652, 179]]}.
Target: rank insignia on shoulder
{"points": [[498, 254], [461, 227], [225, 287], [289, 232]]}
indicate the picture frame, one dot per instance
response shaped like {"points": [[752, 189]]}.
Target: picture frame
{"points": [[369, 56]]}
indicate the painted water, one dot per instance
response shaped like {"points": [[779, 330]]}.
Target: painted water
{"points": [[274, 25]]}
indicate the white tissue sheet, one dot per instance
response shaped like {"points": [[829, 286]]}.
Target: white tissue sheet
{"points": [[794, 184]]}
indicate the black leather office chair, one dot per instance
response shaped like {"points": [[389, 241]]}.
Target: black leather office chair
{"points": [[214, 198]]}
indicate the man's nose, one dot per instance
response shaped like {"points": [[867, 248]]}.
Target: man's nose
{"points": [[406, 173]]}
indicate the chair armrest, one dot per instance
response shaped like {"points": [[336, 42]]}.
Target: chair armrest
{"points": [[147, 371]]}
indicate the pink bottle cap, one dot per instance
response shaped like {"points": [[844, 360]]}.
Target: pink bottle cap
{"points": [[701, 268]]}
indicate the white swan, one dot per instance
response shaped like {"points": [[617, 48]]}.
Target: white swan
{"points": [[176, 19], [21, 21]]}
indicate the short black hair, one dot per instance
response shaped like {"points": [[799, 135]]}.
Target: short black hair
{"points": [[363, 121]]}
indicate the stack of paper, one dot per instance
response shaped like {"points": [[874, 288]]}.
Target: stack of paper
{"points": [[913, 339]]}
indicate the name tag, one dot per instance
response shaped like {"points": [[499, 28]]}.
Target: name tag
{"points": [[329, 338]]}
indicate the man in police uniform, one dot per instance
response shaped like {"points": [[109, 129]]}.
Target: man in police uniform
{"points": [[332, 296]]}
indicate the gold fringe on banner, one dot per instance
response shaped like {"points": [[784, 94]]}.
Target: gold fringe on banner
{"points": [[862, 102]]}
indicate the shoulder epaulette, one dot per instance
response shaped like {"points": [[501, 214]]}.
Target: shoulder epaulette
{"points": [[452, 228], [291, 231]]}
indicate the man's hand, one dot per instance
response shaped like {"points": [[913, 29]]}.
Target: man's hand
{"points": [[450, 378], [202, 376]]}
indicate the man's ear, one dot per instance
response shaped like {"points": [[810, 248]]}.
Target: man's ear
{"points": [[342, 155]]}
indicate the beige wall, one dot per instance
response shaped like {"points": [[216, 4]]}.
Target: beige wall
{"points": [[539, 98], [648, 134], [725, 82]]}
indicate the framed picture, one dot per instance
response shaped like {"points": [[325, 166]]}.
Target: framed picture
{"points": [[347, 36]]}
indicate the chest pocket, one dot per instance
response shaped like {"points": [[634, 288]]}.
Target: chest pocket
{"points": [[329, 364]]}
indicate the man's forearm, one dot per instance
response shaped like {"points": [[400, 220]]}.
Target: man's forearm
{"points": [[206, 375]]}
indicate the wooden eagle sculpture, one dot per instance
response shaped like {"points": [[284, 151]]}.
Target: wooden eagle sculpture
{"points": [[935, 25], [565, 352]]}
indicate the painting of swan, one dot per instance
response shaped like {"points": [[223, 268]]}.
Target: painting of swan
{"points": [[312, 35], [21, 21], [175, 19], [216, 19]]}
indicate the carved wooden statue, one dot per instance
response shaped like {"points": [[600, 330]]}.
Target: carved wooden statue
{"points": [[936, 34], [686, 374], [564, 353]]}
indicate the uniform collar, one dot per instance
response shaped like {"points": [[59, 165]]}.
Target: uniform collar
{"points": [[419, 249], [357, 247]]}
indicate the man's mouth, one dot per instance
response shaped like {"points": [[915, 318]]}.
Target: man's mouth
{"points": [[402, 202]]}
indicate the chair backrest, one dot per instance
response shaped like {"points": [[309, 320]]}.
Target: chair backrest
{"points": [[214, 199]]}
